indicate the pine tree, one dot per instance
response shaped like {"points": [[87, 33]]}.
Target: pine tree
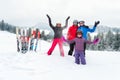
{"points": [[109, 40], [92, 46], [2, 25], [101, 45], [89, 38], [117, 42]]}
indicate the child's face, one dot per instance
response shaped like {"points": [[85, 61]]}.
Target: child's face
{"points": [[58, 24], [79, 35]]}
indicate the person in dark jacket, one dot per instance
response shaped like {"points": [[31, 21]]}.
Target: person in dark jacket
{"points": [[71, 34], [79, 47], [57, 35], [85, 29]]}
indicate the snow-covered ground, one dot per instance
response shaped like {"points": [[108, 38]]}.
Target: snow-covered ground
{"points": [[38, 66]]}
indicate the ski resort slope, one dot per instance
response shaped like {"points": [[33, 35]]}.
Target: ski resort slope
{"points": [[38, 66]]}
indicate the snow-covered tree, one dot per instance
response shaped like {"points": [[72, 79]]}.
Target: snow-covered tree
{"points": [[89, 38], [116, 45], [101, 44], [2, 25], [109, 40]]}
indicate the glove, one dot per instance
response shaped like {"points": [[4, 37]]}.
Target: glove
{"points": [[96, 41], [96, 23], [68, 18]]}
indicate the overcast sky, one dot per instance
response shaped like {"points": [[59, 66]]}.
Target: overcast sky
{"points": [[32, 12]]}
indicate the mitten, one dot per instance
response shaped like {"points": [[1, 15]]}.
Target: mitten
{"points": [[96, 41]]}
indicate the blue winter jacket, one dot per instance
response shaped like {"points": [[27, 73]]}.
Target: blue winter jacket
{"points": [[85, 30]]}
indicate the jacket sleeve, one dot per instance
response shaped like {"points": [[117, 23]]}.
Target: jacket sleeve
{"points": [[88, 42], [92, 30], [50, 23], [66, 24], [69, 33], [70, 41]]}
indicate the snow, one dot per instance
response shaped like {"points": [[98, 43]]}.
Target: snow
{"points": [[101, 65]]}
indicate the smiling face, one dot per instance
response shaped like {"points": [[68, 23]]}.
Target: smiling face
{"points": [[79, 34], [81, 23]]}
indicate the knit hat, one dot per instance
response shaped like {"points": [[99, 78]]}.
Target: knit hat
{"points": [[82, 21], [79, 32], [75, 22]]}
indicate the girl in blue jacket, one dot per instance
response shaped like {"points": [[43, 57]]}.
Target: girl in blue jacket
{"points": [[85, 29]]}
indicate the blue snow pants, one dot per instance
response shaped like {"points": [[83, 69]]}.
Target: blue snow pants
{"points": [[80, 57]]}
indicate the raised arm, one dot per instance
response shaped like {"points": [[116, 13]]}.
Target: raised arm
{"points": [[95, 41], [94, 27], [66, 22], [88, 42], [92, 30], [50, 22]]}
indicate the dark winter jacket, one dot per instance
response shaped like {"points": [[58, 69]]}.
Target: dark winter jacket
{"points": [[85, 30], [57, 30], [79, 43]]}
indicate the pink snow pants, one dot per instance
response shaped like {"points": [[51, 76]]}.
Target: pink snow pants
{"points": [[56, 41]]}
